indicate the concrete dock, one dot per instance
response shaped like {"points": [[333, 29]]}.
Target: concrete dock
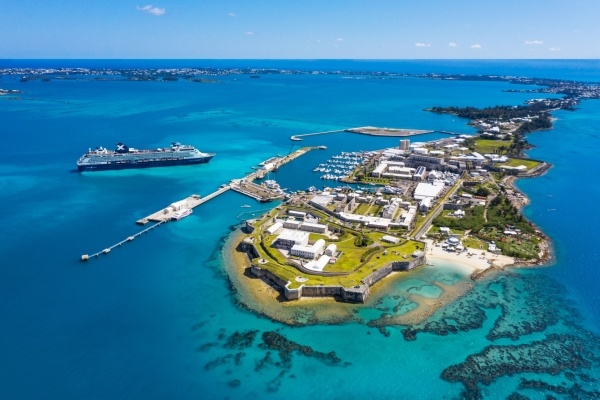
{"points": [[244, 186], [191, 202]]}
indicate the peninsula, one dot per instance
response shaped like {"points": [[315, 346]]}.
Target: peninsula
{"points": [[439, 200]]}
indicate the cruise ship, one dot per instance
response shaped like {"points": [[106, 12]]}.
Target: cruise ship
{"points": [[124, 157]]}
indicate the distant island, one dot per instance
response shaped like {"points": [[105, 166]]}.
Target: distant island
{"points": [[573, 90]]}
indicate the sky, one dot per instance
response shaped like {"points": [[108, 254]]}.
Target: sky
{"points": [[300, 29]]}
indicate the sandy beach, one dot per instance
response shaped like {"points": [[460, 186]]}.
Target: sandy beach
{"points": [[478, 260]]}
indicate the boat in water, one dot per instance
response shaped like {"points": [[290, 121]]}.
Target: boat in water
{"points": [[177, 215], [124, 157]]}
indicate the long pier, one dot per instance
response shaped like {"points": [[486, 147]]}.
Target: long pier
{"points": [[244, 186], [107, 250]]}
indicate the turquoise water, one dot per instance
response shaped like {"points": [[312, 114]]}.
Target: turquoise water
{"points": [[156, 318]]}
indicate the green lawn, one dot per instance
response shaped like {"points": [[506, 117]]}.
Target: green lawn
{"points": [[515, 162], [474, 243], [483, 146], [362, 209]]}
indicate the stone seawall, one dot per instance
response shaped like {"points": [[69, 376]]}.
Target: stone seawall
{"points": [[355, 294], [268, 276], [358, 293]]}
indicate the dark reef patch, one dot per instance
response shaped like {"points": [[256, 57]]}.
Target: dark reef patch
{"points": [[553, 355], [240, 340], [574, 391], [286, 348], [528, 303]]}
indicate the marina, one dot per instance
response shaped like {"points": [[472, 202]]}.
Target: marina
{"points": [[340, 166]]}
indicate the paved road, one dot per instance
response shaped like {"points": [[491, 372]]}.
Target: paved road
{"points": [[437, 211]]}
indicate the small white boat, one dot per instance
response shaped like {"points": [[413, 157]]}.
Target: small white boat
{"points": [[245, 206], [177, 215]]}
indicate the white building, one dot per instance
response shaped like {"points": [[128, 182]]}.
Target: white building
{"points": [[431, 190], [425, 204], [289, 238], [321, 201], [380, 223], [295, 213], [389, 210], [330, 250], [407, 217], [292, 224], [308, 251], [390, 239], [380, 169], [179, 205], [317, 228], [274, 228]]}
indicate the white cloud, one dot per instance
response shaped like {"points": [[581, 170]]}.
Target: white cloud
{"points": [[232, 14], [340, 39], [422, 44], [475, 46], [249, 33], [452, 44], [554, 49], [152, 10], [534, 42]]}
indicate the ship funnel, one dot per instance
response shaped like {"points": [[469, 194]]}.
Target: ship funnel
{"points": [[122, 148]]}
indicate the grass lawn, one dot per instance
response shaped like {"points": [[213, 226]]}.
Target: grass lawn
{"points": [[515, 162], [483, 146], [313, 237], [379, 181], [362, 209], [474, 243]]}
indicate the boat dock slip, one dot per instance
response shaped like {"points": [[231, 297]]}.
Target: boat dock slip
{"points": [[257, 192]]}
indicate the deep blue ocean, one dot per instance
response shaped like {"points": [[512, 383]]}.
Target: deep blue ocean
{"points": [[157, 318]]}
